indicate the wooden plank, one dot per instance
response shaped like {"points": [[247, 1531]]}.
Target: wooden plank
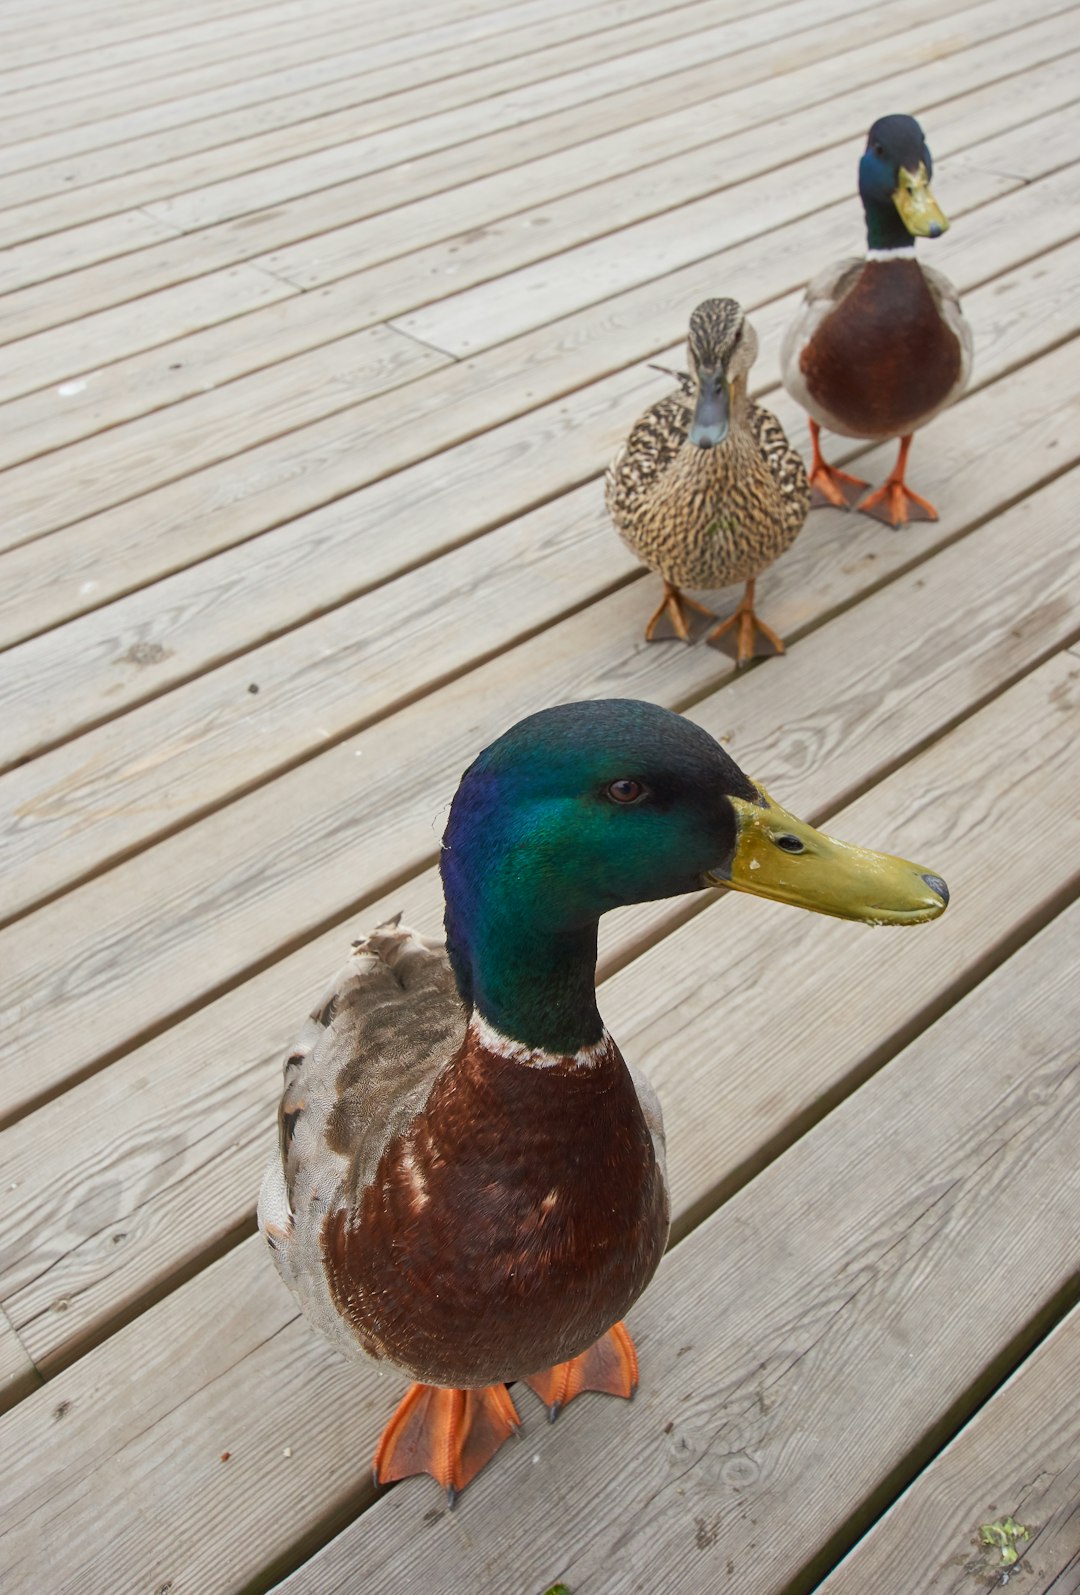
{"points": [[1019, 1457], [96, 287], [522, 300], [354, 74], [18, 1376], [208, 87], [479, 245], [110, 65], [194, 190], [326, 257], [62, 488], [108, 554], [123, 953], [214, 1074], [115, 1467], [98, 797], [805, 1341]]}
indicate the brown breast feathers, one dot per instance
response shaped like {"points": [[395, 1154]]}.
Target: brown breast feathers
{"points": [[514, 1220], [883, 359]]}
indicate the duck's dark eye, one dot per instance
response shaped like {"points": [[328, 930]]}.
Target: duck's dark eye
{"points": [[790, 844], [625, 791], [879, 151]]}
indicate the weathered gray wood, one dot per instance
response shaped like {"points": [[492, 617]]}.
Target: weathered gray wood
{"points": [[119, 1161], [1020, 1458], [125, 951], [318, 464], [521, 300], [88, 802], [186, 98], [358, 71], [18, 1376], [42, 109], [804, 1341], [246, 174], [426, 261], [96, 287], [854, 1191], [189, 317], [59, 682], [63, 488]]}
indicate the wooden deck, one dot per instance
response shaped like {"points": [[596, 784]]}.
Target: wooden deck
{"points": [[320, 322]]}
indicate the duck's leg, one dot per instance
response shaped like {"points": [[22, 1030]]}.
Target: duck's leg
{"points": [[447, 1433], [746, 624], [610, 1365], [674, 604], [828, 484], [894, 502]]}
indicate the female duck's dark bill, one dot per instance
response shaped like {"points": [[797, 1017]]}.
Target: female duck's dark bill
{"points": [[781, 857], [711, 412]]}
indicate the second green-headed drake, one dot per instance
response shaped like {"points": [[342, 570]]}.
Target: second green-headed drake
{"points": [[469, 1183], [879, 345]]}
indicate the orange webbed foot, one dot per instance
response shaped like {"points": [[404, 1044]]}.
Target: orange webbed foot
{"points": [[828, 484], [894, 503], [746, 624], [450, 1434], [610, 1365], [673, 606]]}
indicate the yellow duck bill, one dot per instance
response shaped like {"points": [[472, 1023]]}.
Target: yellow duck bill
{"points": [[781, 857], [919, 210]]}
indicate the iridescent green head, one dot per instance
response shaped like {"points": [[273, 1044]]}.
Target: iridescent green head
{"points": [[591, 806]]}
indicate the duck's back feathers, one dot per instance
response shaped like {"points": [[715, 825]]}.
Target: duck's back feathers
{"points": [[360, 1069]]}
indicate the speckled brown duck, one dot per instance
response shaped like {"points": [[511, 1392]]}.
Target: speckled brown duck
{"points": [[879, 345], [469, 1180], [707, 490]]}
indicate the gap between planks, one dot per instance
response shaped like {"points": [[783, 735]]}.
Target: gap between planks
{"points": [[501, 381], [117, 769], [888, 706], [319, 1399]]}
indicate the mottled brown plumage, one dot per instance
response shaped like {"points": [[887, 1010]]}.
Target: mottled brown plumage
{"points": [[708, 516]]}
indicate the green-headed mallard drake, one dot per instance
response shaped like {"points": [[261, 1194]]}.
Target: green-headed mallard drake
{"points": [[879, 345], [469, 1184], [707, 490]]}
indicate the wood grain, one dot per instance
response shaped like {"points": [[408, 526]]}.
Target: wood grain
{"points": [[1019, 1457], [805, 1339], [46, 304], [320, 463], [18, 1376], [892, 1209], [68, 678], [357, 72], [898, 678], [461, 236]]}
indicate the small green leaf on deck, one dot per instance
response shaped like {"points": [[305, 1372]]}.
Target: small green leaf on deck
{"points": [[1004, 1535], [557, 1589]]}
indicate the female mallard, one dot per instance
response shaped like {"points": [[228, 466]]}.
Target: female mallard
{"points": [[469, 1184], [706, 489], [879, 345]]}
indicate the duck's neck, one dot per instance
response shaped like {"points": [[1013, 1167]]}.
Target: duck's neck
{"points": [[885, 232], [531, 983]]}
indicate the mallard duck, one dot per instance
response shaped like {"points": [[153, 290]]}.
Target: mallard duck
{"points": [[469, 1183], [879, 345], [707, 490]]}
